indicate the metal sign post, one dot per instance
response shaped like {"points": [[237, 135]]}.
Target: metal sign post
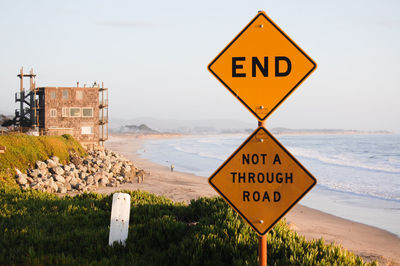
{"points": [[262, 250], [262, 240]]}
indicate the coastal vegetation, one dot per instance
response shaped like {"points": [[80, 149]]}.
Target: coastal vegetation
{"points": [[41, 228], [22, 151]]}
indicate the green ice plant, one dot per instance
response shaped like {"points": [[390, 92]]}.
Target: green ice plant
{"points": [[38, 228]]}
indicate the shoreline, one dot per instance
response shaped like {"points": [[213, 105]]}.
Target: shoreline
{"points": [[369, 242], [294, 133]]}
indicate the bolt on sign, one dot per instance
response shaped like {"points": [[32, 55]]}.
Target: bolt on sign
{"points": [[262, 181], [261, 66]]}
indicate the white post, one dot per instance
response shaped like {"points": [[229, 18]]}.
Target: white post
{"points": [[119, 224]]}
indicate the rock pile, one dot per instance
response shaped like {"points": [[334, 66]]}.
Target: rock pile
{"points": [[83, 174]]}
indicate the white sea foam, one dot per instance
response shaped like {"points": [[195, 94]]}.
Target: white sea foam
{"points": [[208, 155], [364, 189], [347, 160]]}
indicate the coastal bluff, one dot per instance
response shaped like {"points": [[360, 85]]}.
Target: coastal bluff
{"points": [[59, 164]]}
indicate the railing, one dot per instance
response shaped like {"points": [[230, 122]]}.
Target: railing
{"points": [[103, 120], [103, 103]]}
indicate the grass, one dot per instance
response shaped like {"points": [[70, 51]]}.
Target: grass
{"points": [[38, 228], [23, 151]]}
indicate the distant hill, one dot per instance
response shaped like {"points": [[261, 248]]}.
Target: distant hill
{"points": [[141, 129], [211, 126]]}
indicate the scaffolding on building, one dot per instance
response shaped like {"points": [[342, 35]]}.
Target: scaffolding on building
{"points": [[103, 114], [26, 116]]}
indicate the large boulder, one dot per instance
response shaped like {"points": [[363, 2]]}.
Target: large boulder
{"points": [[72, 167], [68, 187], [54, 187], [18, 172], [103, 182], [89, 179], [55, 159], [82, 168], [120, 179], [91, 170], [75, 159], [59, 178], [67, 168], [80, 186], [125, 171], [22, 179], [35, 173], [73, 182], [51, 164], [82, 175], [140, 176], [62, 190], [41, 165], [35, 185], [57, 170]]}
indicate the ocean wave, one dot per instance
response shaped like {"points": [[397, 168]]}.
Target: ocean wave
{"points": [[360, 174], [345, 160], [236, 140], [371, 191], [209, 155], [212, 141]]}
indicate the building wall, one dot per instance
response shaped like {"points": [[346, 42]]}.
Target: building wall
{"points": [[71, 110]]}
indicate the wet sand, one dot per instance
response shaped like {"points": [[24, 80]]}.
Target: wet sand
{"points": [[366, 241]]}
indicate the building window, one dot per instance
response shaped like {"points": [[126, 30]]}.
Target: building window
{"points": [[75, 112], [86, 130], [79, 95], [87, 111], [65, 112], [53, 113], [53, 95], [65, 94]]}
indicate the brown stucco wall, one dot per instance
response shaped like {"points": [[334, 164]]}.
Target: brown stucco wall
{"points": [[70, 125]]}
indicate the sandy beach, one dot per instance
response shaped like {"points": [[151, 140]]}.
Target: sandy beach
{"points": [[366, 241]]}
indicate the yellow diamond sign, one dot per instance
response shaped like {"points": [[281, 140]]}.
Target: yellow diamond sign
{"points": [[262, 66], [262, 181]]}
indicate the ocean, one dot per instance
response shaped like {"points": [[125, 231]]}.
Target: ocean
{"points": [[358, 175]]}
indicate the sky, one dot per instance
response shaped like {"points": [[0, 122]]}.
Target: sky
{"points": [[153, 57]]}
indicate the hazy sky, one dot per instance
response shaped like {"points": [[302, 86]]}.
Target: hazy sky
{"points": [[153, 56]]}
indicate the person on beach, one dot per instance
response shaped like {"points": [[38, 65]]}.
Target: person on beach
{"points": [[172, 167]]}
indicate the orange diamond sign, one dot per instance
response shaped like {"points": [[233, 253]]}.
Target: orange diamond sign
{"points": [[262, 181], [262, 66]]}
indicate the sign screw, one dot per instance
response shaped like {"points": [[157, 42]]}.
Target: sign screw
{"points": [[261, 221]]}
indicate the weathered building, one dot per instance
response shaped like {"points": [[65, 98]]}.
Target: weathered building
{"points": [[79, 111]]}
